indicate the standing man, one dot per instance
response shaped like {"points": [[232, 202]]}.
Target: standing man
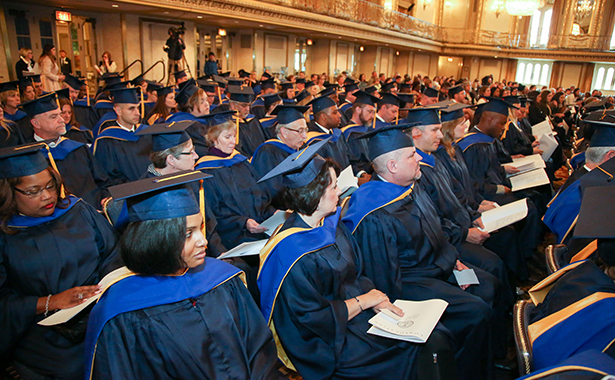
{"points": [[66, 66], [174, 47], [211, 66]]}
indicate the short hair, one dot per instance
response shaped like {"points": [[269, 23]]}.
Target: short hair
{"points": [[154, 247], [214, 131], [380, 162], [193, 101], [357, 105], [159, 159], [24, 51], [596, 154], [305, 199], [4, 96], [279, 126]]}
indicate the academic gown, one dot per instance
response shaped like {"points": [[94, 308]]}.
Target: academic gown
{"points": [[235, 197], [10, 135], [106, 120], [81, 172], [266, 157], [357, 148], [407, 256], [82, 134], [84, 114], [251, 135], [268, 123], [569, 333], [219, 334], [258, 108], [379, 123], [123, 154], [310, 315], [335, 149], [587, 365], [22, 122], [516, 141], [196, 131], [74, 246]]}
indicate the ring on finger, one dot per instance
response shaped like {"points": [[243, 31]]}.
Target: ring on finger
{"points": [[80, 296]]}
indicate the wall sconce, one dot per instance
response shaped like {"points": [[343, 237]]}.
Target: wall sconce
{"points": [[449, 59], [222, 32], [498, 7], [397, 52], [309, 42], [361, 48], [426, 3]]}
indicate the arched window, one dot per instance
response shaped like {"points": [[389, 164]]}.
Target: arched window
{"points": [[536, 77], [599, 78], [546, 25], [608, 82], [544, 78], [540, 26], [534, 72], [520, 71], [534, 26], [528, 73]]}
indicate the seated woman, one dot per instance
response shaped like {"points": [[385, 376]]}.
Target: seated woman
{"points": [[74, 130], [9, 102], [26, 91], [313, 293], [165, 106], [192, 105], [10, 135], [53, 251], [514, 138], [200, 322], [238, 202]]}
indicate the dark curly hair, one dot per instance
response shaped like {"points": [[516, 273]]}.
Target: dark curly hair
{"points": [[304, 200]]}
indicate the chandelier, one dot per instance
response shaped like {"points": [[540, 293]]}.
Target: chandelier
{"points": [[523, 7], [584, 8]]}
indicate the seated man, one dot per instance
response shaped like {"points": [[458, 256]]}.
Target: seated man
{"points": [[388, 110], [408, 256], [326, 124]]}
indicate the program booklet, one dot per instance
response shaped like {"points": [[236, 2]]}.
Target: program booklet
{"points": [[419, 320]]}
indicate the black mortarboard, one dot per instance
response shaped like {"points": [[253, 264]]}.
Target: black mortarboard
{"points": [[116, 86], [512, 99], [179, 74], [442, 104], [167, 135], [300, 168], [9, 86], [126, 95], [523, 100], [138, 80], [243, 74], [363, 97], [455, 90], [521, 87], [604, 133], [161, 197], [351, 86], [220, 80], [235, 81], [188, 89], [74, 82], [596, 214], [321, 103], [300, 80], [496, 105], [423, 115], [269, 83], [45, 103], [225, 74], [164, 91], [371, 89], [111, 78], [287, 86], [430, 92], [597, 105], [388, 139], [63, 93], [387, 87], [348, 81], [270, 99], [266, 75], [388, 98], [36, 78], [453, 112], [152, 86], [328, 91], [408, 98], [218, 118], [309, 84], [242, 94], [405, 86], [302, 95], [21, 161], [207, 85], [288, 114]]}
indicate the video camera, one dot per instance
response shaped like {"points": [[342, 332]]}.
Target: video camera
{"points": [[176, 32]]}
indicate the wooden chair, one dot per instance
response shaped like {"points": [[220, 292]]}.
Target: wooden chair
{"points": [[554, 256], [521, 317]]}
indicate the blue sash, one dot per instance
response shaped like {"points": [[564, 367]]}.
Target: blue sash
{"points": [[82, 102], [563, 211], [259, 102], [289, 102], [473, 138], [370, 197], [268, 121], [577, 160], [120, 133], [180, 116], [19, 114], [64, 147], [103, 104], [283, 250], [377, 124], [22, 221], [345, 106], [353, 128], [140, 292], [276, 143], [427, 158], [215, 162], [317, 136]]}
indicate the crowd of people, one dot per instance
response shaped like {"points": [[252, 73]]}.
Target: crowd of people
{"points": [[163, 180]]}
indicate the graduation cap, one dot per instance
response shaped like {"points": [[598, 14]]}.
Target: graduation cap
{"points": [[116, 86], [363, 97], [388, 98], [454, 111], [287, 86], [351, 86], [225, 74], [455, 90], [164, 91], [424, 115], [243, 74], [300, 168], [405, 86], [321, 103], [496, 105], [36, 78], [45, 103], [327, 92], [604, 133], [270, 99], [349, 80], [138, 80], [523, 101], [179, 74], [387, 139], [521, 87], [218, 117], [269, 83], [430, 92], [111, 78], [387, 87], [300, 80], [207, 85], [161, 197], [408, 98], [512, 99], [22, 160], [371, 89], [266, 75], [63, 93], [242, 94], [187, 90], [309, 84], [152, 86], [74, 82], [220, 80], [288, 114], [596, 215], [167, 135], [9, 86], [302, 95], [126, 95], [597, 105], [235, 81]]}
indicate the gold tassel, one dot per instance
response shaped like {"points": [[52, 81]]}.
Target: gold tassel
{"points": [[142, 105], [237, 126], [53, 165], [202, 206], [87, 93]]}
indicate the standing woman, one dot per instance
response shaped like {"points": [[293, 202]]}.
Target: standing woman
{"points": [[54, 249], [164, 107], [106, 65], [179, 314], [25, 63], [50, 71]]}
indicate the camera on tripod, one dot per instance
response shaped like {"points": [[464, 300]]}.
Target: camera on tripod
{"points": [[176, 32]]}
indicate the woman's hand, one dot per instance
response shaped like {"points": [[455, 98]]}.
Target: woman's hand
{"points": [[254, 227], [486, 205], [73, 297], [61, 77], [510, 169], [388, 305]]}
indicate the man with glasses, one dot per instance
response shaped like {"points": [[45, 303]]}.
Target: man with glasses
{"points": [[250, 132], [82, 174], [291, 132]]}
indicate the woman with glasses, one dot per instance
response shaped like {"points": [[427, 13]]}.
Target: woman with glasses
{"points": [[54, 249]]}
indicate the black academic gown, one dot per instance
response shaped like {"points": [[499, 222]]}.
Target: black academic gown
{"points": [[75, 249], [10, 135], [357, 148], [124, 161], [235, 197], [311, 317], [251, 135], [267, 157], [218, 335], [408, 256], [336, 150], [79, 135], [516, 141]]}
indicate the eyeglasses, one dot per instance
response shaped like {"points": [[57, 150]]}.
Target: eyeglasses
{"points": [[300, 130], [188, 153], [51, 186]]}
